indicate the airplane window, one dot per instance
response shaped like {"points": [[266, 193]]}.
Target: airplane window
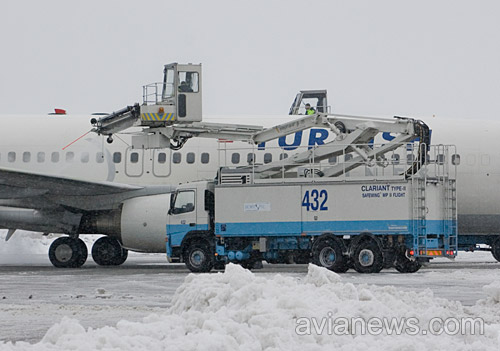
{"points": [[471, 160], [332, 160], [54, 157], [134, 157], [268, 157], [190, 157], [395, 159], [70, 156], [485, 160], [235, 158], [251, 158], [176, 157], [440, 159], [85, 157], [205, 157], [117, 157], [11, 156], [26, 156], [40, 157], [283, 156], [162, 157], [99, 157], [455, 159]]}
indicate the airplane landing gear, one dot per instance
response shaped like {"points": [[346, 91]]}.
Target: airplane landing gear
{"points": [[68, 252], [108, 251]]}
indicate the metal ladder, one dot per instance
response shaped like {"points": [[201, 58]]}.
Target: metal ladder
{"points": [[450, 212], [419, 214]]}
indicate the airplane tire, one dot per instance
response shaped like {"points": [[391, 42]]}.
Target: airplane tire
{"points": [[108, 251], [367, 257], [67, 252], [404, 265], [198, 256], [328, 253], [495, 249]]}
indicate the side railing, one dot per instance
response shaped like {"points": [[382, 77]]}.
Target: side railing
{"points": [[253, 160], [155, 93]]}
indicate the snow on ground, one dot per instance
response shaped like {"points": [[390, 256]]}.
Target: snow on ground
{"points": [[134, 306], [27, 247], [23, 247], [239, 310]]}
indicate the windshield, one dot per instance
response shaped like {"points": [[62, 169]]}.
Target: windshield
{"points": [[168, 83], [183, 202]]}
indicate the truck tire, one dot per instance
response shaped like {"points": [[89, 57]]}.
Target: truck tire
{"points": [[495, 249], [367, 257], [198, 256], [404, 265], [219, 265], [328, 253]]}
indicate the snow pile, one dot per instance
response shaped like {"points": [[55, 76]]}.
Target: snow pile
{"points": [[489, 308], [238, 310], [23, 246], [23, 242], [493, 292]]}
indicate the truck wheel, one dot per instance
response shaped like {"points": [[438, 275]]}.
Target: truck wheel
{"points": [[495, 249], [328, 253], [404, 265], [108, 251], [302, 257], [67, 252], [367, 257], [219, 265], [251, 264], [198, 257]]}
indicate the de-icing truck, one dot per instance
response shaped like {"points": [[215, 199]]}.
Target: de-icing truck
{"points": [[364, 218]]}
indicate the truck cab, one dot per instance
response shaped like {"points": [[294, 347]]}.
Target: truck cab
{"points": [[190, 223]]}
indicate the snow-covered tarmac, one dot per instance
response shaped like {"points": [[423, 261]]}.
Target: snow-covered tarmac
{"points": [[136, 306]]}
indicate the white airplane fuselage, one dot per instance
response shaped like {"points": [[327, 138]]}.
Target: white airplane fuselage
{"points": [[37, 144]]}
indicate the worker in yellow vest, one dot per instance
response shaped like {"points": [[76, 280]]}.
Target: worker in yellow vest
{"points": [[310, 110]]}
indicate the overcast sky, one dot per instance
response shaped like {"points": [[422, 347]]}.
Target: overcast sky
{"points": [[384, 58]]}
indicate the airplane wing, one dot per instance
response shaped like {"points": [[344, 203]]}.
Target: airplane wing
{"points": [[57, 204], [15, 184]]}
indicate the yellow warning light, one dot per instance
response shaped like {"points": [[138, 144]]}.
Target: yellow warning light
{"points": [[161, 110]]}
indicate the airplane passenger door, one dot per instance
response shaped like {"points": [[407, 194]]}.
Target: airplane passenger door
{"points": [[134, 162], [161, 162]]}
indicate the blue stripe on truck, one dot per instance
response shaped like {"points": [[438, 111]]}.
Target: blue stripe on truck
{"points": [[318, 227]]}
